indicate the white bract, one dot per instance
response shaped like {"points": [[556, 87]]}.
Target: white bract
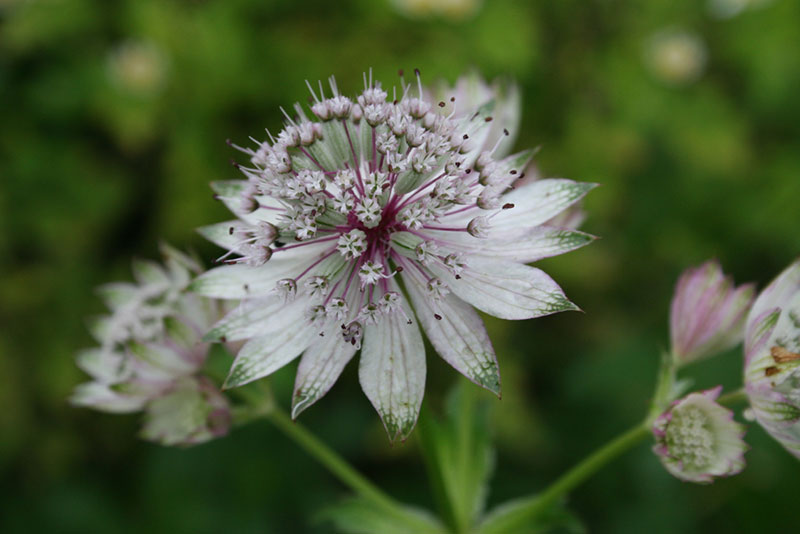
{"points": [[772, 358], [389, 212], [150, 351]]}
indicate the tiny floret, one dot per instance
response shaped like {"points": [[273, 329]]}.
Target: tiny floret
{"points": [[352, 244], [479, 227]]}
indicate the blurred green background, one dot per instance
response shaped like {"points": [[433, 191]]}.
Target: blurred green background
{"points": [[113, 119]]}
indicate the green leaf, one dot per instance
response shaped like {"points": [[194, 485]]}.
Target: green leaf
{"points": [[459, 455], [513, 516], [359, 516]]}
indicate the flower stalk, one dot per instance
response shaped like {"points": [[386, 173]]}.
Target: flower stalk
{"points": [[261, 404], [526, 509]]}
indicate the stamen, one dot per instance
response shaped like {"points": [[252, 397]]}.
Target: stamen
{"points": [[317, 100]]}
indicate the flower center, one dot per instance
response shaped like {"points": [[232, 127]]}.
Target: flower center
{"points": [[690, 438]]}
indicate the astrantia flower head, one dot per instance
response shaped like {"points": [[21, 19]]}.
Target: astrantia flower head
{"points": [[698, 440], [772, 359], [150, 351], [370, 217], [707, 313]]}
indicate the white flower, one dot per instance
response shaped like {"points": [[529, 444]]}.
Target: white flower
{"points": [[698, 440], [401, 254], [150, 353], [772, 358], [676, 57]]}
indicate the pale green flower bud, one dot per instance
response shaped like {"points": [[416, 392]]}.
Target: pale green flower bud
{"points": [[697, 440]]}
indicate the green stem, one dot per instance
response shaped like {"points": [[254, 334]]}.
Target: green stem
{"points": [[592, 463], [528, 508], [463, 503], [734, 397], [331, 460], [259, 403], [339, 467]]}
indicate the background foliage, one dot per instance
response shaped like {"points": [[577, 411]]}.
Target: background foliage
{"points": [[113, 117]]}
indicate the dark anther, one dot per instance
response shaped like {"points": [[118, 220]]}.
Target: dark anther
{"points": [[508, 206], [400, 73], [488, 119], [452, 99], [441, 104], [247, 287], [344, 327], [521, 176], [513, 172], [458, 164], [416, 72], [437, 316], [215, 196], [223, 339], [466, 136], [505, 132], [399, 269], [409, 322], [322, 334], [468, 171], [230, 230], [458, 277]]}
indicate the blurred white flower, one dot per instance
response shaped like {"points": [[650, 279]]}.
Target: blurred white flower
{"points": [[726, 9], [676, 57], [452, 9], [372, 215], [150, 353], [192, 411], [138, 67]]}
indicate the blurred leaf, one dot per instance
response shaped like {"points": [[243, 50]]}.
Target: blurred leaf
{"points": [[459, 454], [358, 516], [556, 519]]}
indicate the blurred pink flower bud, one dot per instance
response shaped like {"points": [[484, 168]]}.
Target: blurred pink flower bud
{"points": [[707, 313]]}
